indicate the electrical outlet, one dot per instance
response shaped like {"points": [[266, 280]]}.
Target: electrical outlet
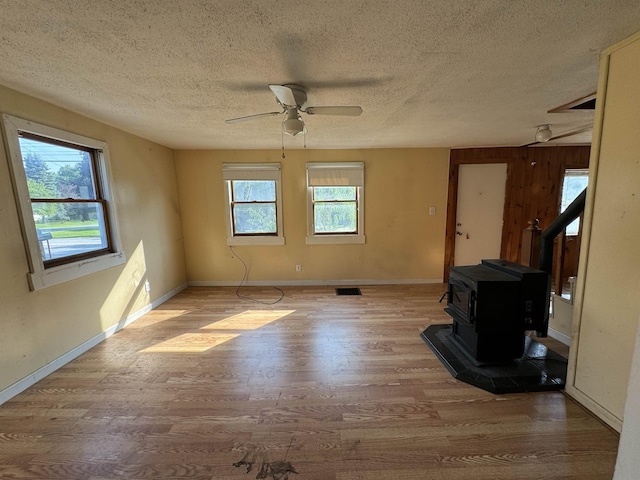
{"points": [[298, 268], [432, 210], [147, 286]]}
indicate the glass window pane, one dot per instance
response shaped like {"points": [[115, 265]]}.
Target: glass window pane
{"points": [[335, 217], [334, 193], [574, 183], [56, 171], [259, 218], [573, 228], [254, 190], [66, 229]]}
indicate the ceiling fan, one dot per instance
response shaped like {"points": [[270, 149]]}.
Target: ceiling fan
{"points": [[292, 99], [544, 134]]}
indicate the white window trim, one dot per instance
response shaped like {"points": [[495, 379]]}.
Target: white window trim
{"points": [[38, 276], [252, 171], [335, 174]]}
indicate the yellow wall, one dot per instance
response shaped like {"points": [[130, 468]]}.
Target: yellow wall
{"points": [[403, 242], [608, 300], [38, 327]]}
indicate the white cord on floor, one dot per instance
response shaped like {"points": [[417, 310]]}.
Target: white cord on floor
{"points": [[244, 278]]}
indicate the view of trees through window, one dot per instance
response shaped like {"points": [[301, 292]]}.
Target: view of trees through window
{"points": [[335, 210], [66, 212], [254, 207], [575, 181]]}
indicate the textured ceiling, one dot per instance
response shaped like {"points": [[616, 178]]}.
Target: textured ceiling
{"points": [[432, 73]]}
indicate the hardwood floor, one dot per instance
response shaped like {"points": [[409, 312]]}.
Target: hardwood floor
{"points": [[317, 386]]}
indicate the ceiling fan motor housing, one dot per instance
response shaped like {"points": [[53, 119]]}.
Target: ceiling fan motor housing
{"points": [[299, 93]]}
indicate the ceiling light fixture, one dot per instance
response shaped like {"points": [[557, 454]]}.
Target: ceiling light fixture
{"points": [[293, 124], [543, 134]]}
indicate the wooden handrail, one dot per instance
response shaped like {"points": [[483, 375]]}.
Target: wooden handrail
{"points": [[573, 211]]}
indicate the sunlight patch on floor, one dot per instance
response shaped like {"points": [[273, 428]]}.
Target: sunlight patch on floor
{"points": [[249, 320], [157, 316], [191, 343], [206, 338]]}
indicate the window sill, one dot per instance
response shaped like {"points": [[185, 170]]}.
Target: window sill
{"points": [[72, 271], [255, 241], [335, 239]]}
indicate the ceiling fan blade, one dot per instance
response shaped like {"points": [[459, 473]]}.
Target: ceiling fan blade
{"points": [[349, 111], [251, 117], [284, 94]]}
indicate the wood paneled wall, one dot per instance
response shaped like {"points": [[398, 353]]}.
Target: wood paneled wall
{"points": [[534, 184]]}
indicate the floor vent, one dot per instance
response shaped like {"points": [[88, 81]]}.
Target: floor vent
{"points": [[348, 291]]}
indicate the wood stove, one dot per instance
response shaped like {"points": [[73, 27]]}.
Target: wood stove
{"points": [[492, 305]]}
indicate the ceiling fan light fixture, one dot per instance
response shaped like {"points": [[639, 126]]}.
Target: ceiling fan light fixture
{"points": [[293, 124], [544, 134]]}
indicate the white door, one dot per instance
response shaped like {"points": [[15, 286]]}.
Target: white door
{"points": [[479, 218]]}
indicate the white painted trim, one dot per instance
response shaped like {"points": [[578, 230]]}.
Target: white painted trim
{"points": [[319, 283], [40, 277], [255, 240], [583, 263], [252, 171], [585, 242], [598, 410], [71, 271], [31, 379], [559, 336], [335, 239]]}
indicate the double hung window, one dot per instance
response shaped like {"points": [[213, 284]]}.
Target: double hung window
{"points": [[254, 203], [61, 185], [335, 203]]}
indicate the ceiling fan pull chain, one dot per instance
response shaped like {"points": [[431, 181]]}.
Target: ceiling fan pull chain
{"points": [[282, 134]]}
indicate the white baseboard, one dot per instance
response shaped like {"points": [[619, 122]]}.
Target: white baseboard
{"points": [[559, 336], [307, 283], [594, 407], [21, 385]]}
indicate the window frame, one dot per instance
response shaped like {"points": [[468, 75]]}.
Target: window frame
{"points": [[316, 202], [252, 172], [45, 274], [98, 189], [235, 202], [335, 174]]}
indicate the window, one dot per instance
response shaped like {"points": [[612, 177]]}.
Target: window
{"points": [[61, 186], [254, 203], [334, 202], [335, 210], [575, 181], [253, 207]]}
